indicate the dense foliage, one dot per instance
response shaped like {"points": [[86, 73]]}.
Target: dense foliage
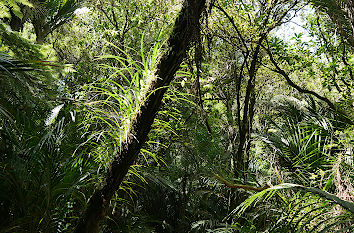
{"points": [[220, 115]]}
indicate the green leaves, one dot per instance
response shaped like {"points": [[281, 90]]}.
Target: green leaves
{"points": [[299, 216], [7, 6], [116, 100]]}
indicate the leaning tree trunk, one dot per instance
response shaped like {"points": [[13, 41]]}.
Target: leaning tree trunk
{"points": [[185, 29]]}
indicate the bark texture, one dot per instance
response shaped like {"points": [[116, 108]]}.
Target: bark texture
{"points": [[185, 29]]}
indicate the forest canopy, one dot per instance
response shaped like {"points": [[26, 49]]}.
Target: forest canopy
{"points": [[176, 116]]}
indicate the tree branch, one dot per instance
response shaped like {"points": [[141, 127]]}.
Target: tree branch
{"points": [[240, 186], [294, 85]]}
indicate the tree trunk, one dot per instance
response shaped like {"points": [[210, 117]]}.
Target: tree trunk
{"points": [[185, 29], [249, 102]]}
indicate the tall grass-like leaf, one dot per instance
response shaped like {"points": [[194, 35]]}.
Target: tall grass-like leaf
{"points": [[304, 215]]}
